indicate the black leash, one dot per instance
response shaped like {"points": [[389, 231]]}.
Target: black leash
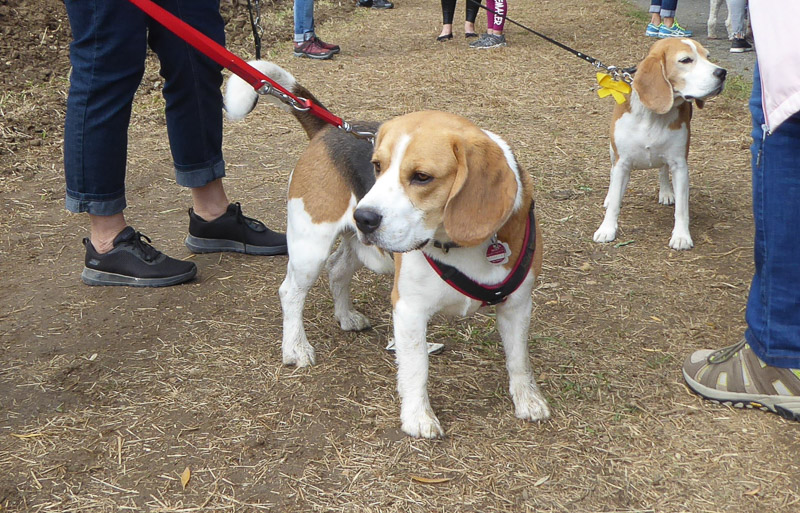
{"points": [[255, 24], [624, 74]]}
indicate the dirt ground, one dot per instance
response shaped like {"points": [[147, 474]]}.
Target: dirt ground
{"points": [[107, 395]]}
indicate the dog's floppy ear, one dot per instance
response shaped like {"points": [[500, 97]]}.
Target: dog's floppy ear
{"points": [[652, 86], [483, 192]]}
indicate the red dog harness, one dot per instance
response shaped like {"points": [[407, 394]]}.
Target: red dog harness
{"points": [[492, 294]]}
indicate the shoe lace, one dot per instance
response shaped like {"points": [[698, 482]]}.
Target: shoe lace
{"points": [[726, 353], [149, 253], [253, 224]]}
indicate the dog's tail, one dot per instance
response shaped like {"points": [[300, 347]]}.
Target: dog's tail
{"points": [[241, 98]]}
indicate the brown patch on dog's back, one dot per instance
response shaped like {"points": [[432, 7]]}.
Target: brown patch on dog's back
{"points": [[324, 192]]}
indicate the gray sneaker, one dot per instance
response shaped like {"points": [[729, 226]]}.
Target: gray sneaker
{"points": [[489, 41]]}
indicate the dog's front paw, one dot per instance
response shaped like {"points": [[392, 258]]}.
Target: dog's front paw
{"points": [[666, 197], [354, 321], [605, 233], [681, 241], [301, 354], [422, 423], [529, 403]]}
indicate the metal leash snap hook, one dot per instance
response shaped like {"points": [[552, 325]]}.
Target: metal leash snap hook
{"points": [[359, 134]]}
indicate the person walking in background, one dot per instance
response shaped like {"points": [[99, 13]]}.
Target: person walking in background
{"points": [[306, 42], [662, 20], [763, 369], [448, 12], [738, 14], [495, 21], [110, 40]]}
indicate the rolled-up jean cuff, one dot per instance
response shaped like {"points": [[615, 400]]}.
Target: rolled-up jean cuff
{"points": [[667, 14], [198, 177], [97, 207]]}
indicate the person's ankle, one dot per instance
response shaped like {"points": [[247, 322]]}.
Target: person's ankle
{"points": [[102, 245], [209, 213]]}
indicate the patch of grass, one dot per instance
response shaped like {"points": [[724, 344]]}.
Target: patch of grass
{"points": [[738, 88]]}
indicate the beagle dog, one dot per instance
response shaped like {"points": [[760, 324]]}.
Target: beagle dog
{"points": [[438, 201], [651, 129]]}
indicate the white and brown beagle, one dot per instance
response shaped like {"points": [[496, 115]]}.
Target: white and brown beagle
{"points": [[651, 129], [435, 199]]}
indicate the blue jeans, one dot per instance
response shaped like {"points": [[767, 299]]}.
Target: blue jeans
{"points": [[665, 8], [110, 39], [773, 308], [303, 20]]}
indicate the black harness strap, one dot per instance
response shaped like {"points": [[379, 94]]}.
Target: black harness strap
{"points": [[492, 294]]}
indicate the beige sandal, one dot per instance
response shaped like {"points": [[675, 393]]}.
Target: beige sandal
{"points": [[735, 375]]}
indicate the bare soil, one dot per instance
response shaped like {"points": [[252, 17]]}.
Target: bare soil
{"points": [[107, 395]]}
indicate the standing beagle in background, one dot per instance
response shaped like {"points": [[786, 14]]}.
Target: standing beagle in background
{"points": [[439, 201], [651, 129]]}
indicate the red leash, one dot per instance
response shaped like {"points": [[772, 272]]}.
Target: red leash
{"points": [[259, 81]]}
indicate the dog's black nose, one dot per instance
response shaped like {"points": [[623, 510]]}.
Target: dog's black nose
{"points": [[721, 73], [367, 219]]}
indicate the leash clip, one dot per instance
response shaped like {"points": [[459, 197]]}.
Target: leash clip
{"points": [[300, 104], [367, 135]]}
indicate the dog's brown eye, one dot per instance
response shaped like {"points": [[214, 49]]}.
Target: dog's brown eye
{"points": [[421, 178], [686, 60], [377, 168]]}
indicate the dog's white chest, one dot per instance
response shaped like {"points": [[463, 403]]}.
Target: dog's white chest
{"points": [[650, 141]]}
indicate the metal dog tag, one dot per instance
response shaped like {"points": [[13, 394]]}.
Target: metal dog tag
{"points": [[497, 253]]}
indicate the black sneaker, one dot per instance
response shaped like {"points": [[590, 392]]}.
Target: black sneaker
{"points": [[232, 231], [135, 263], [740, 45]]}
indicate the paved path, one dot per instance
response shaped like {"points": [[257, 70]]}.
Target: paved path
{"points": [[693, 15]]}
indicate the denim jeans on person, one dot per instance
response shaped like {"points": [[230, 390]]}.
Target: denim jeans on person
{"points": [[665, 8], [773, 307], [110, 40], [303, 20]]}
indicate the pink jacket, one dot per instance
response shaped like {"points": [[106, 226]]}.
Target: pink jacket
{"points": [[778, 46]]}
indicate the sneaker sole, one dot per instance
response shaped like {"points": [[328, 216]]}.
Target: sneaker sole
{"points": [[318, 57], [488, 47], [200, 245], [786, 407], [741, 50], [96, 278]]}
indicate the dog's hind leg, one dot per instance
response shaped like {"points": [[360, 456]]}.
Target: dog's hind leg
{"points": [[666, 196], [307, 255], [342, 264], [513, 323]]}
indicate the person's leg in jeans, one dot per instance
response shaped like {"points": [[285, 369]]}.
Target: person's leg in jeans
{"points": [[738, 11], [192, 84], [303, 20], [773, 307], [762, 370], [107, 56]]}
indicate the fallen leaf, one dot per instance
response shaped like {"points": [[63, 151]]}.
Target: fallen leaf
{"points": [[185, 477], [541, 481], [430, 480]]}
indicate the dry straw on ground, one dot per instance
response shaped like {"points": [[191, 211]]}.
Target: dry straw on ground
{"points": [[107, 395]]}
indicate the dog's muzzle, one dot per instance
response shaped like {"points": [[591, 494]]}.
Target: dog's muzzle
{"points": [[367, 220]]}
